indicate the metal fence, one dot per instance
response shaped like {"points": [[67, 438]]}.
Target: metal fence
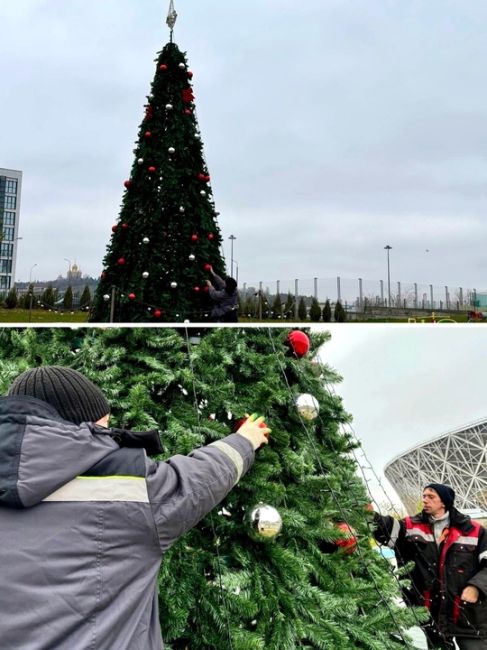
{"points": [[358, 294]]}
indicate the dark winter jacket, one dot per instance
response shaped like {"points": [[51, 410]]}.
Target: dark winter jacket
{"points": [[441, 572], [84, 524], [225, 303]]}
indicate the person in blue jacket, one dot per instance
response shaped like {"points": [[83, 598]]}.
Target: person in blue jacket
{"points": [[86, 516]]}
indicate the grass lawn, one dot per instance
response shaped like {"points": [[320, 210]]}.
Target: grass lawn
{"points": [[41, 316]]}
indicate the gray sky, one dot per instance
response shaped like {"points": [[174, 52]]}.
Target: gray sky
{"points": [[331, 129], [406, 384]]}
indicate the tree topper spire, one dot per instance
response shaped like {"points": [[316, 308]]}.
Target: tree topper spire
{"points": [[171, 17]]}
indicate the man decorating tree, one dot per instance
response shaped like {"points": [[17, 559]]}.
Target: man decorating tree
{"points": [[449, 577], [86, 516]]}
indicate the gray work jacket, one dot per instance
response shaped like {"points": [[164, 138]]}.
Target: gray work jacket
{"points": [[84, 524]]}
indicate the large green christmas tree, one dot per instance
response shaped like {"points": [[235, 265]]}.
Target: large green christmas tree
{"points": [[157, 261], [222, 586]]}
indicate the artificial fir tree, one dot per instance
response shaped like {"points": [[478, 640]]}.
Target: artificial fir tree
{"points": [[157, 261], [318, 585]]}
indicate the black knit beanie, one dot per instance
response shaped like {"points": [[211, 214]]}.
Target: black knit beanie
{"points": [[445, 492], [73, 395]]}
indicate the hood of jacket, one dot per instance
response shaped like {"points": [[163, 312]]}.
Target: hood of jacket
{"points": [[40, 452]]}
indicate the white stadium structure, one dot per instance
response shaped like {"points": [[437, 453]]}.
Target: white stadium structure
{"points": [[457, 458]]}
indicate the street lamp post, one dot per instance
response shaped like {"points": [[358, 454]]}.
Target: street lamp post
{"points": [[232, 238], [69, 268], [31, 292], [388, 248]]}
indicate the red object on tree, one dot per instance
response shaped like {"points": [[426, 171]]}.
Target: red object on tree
{"points": [[128, 184], [121, 261], [157, 313], [163, 67], [207, 178], [131, 296], [152, 170], [211, 236], [125, 226], [187, 94], [349, 544], [206, 288], [190, 74], [149, 112], [194, 237], [197, 289], [147, 135], [299, 343], [188, 111], [114, 228], [201, 177], [207, 267], [242, 421]]}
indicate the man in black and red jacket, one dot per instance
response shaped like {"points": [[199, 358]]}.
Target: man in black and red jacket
{"points": [[449, 577]]}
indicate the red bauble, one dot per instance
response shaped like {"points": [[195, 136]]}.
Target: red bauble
{"points": [[190, 74], [149, 112], [197, 289], [206, 288], [147, 135], [114, 228], [298, 343], [194, 237], [121, 261], [207, 267], [131, 296], [188, 111], [163, 67], [151, 170], [207, 178], [125, 226], [187, 95], [211, 236], [349, 544], [157, 313], [128, 184], [202, 177]]}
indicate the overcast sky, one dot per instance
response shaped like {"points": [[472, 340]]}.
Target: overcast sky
{"points": [[331, 129], [407, 384]]}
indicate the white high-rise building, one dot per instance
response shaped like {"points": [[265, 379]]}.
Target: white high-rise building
{"points": [[10, 192]]}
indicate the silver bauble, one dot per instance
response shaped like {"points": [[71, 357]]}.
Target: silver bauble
{"points": [[106, 297], [140, 161], [264, 522], [146, 240], [192, 257], [174, 285], [181, 208], [172, 150], [203, 193], [145, 274], [307, 406], [168, 107], [197, 136], [182, 66]]}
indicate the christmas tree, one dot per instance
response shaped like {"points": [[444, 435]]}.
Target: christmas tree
{"points": [[166, 237], [232, 582]]}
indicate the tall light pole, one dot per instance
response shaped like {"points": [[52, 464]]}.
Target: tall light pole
{"points": [[232, 238], [31, 297], [388, 248], [30, 273], [69, 268]]}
